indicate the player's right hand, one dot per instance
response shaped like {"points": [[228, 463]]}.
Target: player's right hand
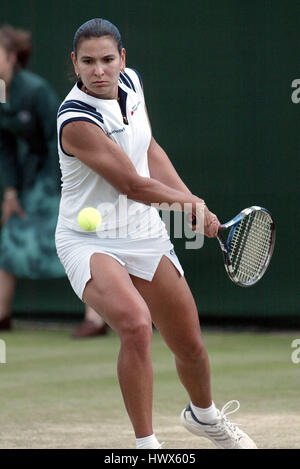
{"points": [[211, 224], [204, 221]]}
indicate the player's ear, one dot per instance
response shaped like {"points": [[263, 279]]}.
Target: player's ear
{"points": [[123, 59], [75, 63]]}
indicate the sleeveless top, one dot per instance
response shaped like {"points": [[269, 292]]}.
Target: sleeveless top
{"points": [[82, 187]]}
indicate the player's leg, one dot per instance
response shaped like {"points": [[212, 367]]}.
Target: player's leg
{"points": [[111, 292], [92, 325], [175, 315], [92, 316]]}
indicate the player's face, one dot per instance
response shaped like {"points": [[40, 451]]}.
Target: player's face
{"points": [[7, 63], [99, 63]]}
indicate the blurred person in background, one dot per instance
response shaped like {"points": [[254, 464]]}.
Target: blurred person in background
{"points": [[30, 178]]}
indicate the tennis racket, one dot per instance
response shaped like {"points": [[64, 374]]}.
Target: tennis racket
{"points": [[247, 242]]}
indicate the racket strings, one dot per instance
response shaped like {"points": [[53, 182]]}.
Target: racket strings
{"points": [[250, 246]]}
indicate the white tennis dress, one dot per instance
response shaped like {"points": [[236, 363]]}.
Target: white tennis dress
{"points": [[131, 232]]}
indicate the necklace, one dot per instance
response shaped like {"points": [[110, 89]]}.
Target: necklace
{"points": [[125, 120]]}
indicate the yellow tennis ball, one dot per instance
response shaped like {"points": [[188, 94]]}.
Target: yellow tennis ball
{"points": [[89, 219]]}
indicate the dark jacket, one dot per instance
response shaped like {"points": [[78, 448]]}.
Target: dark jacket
{"points": [[28, 142]]}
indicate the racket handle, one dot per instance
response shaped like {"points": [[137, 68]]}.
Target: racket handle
{"points": [[193, 220]]}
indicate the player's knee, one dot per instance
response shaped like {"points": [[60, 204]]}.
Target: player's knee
{"points": [[195, 352], [136, 330]]}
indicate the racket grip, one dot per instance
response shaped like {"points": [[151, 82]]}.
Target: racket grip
{"points": [[192, 219]]}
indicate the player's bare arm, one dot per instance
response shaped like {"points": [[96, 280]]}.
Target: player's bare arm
{"points": [[91, 146], [160, 166], [162, 169]]}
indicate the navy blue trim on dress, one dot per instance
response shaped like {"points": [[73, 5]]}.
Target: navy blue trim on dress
{"points": [[139, 77], [96, 116], [79, 106], [80, 103], [122, 99], [124, 78], [130, 81]]}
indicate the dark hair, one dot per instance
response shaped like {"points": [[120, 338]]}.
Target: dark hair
{"points": [[97, 27], [18, 42]]}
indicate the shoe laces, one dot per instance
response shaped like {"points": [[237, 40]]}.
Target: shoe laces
{"points": [[226, 422], [227, 406]]}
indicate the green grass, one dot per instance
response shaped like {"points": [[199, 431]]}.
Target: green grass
{"points": [[60, 393]]}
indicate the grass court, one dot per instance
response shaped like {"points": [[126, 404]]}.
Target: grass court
{"points": [[60, 393]]}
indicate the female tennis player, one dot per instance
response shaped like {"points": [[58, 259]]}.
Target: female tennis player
{"points": [[126, 269]]}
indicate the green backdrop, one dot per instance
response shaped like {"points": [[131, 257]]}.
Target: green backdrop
{"points": [[217, 77]]}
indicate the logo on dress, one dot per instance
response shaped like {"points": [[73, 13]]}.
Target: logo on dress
{"points": [[116, 131], [134, 108]]}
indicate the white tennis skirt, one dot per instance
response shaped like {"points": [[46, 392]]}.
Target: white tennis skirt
{"points": [[140, 257]]}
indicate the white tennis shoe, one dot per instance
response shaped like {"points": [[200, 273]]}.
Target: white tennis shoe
{"points": [[223, 433]]}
